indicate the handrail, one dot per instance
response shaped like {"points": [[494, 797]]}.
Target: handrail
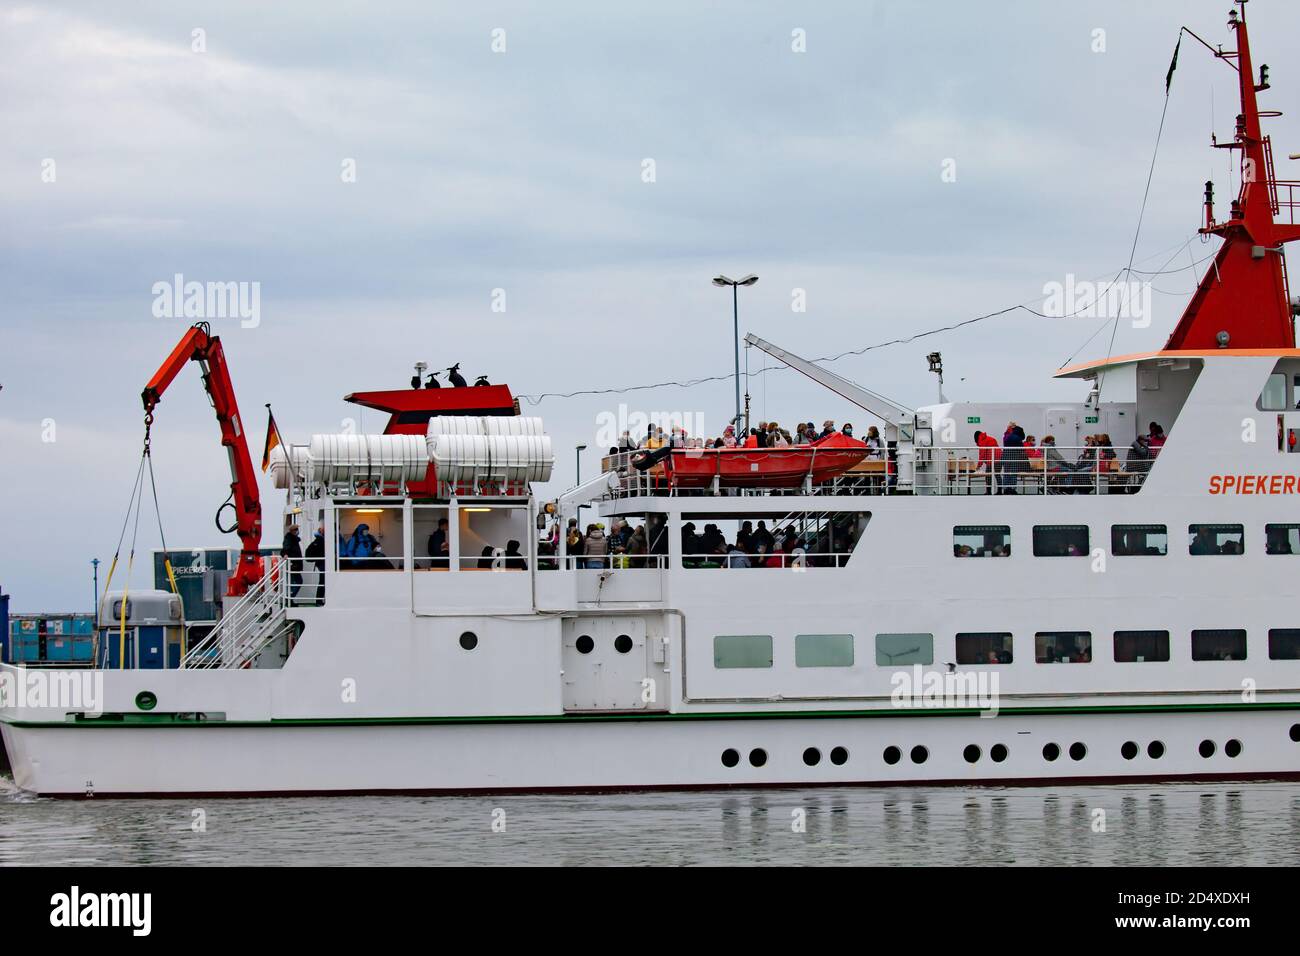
{"points": [[241, 633]]}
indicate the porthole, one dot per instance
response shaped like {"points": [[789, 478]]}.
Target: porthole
{"points": [[730, 757], [998, 752], [757, 757], [839, 756], [892, 755], [1206, 749], [1129, 750], [622, 643], [919, 754], [469, 640], [1078, 751], [812, 756], [1295, 733], [971, 753], [1051, 751], [146, 700], [1232, 748], [1155, 750], [584, 644]]}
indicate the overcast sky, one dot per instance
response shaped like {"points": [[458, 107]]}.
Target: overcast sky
{"points": [[524, 170]]}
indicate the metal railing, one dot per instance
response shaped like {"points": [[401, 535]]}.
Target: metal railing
{"points": [[949, 470], [603, 562], [248, 626]]}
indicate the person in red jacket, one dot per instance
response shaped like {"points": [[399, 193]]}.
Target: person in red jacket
{"points": [[990, 453]]}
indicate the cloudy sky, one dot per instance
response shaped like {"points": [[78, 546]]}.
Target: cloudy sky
{"points": [[130, 156]]}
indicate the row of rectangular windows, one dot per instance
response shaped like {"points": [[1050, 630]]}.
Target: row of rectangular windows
{"points": [[1050, 647], [1071, 540]]}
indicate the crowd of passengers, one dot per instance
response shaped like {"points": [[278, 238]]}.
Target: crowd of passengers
{"points": [[755, 546], [766, 435], [1012, 457]]}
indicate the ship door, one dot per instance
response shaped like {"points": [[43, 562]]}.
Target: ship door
{"points": [[1063, 425], [613, 664]]}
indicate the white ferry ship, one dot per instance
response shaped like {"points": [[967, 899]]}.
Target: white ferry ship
{"points": [[941, 612]]}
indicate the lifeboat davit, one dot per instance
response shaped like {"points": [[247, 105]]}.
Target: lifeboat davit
{"points": [[759, 467]]}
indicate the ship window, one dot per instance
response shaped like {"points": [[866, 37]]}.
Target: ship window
{"points": [[1138, 647], [981, 541], [1273, 398], [370, 537], [984, 648], [1282, 538], [898, 650], [486, 534], [1284, 644], [1063, 647], [800, 539], [1219, 645], [1061, 540], [1134, 539], [823, 650], [742, 650], [1215, 539]]}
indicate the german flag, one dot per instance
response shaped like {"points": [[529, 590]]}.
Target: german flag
{"points": [[273, 439]]}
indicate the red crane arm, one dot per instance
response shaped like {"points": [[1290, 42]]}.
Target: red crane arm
{"points": [[199, 345]]}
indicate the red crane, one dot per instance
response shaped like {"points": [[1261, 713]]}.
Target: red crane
{"points": [[200, 345]]}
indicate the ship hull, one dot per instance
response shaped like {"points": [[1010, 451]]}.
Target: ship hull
{"points": [[636, 753]]}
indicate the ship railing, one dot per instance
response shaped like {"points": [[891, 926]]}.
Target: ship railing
{"points": [[1285, 197], [947, 470], [620, 561], [797, 560], [247, 626]]}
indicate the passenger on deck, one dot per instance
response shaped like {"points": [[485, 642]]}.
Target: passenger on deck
{"points": [[828, 429], [777, 437], [1155, 438], [1013, 459], [1138, 460], [625, 443], [763, 537], [1032, 451], [596, 546], [487, 558], [291, 551], [847, 430], [315, 555], [438, 546], [729, 437], [514, 560], [636, 548], [711, 540], [737, 558], [875, 447]]}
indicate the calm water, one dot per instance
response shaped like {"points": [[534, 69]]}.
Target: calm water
{"points": [[1171, 824]]}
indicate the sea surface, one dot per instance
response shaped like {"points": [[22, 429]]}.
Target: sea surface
{"points": [[1254, 823]]}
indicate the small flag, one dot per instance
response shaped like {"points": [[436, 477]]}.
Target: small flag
{"points": [[273, 439], [1173, 64]]}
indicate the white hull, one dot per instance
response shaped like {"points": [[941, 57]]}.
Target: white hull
{"points": [[638, 754]]}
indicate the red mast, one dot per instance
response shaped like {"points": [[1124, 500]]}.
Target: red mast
{"points": [[1242, 301]]}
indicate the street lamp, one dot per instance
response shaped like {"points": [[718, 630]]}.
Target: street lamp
{"points": [[577, 473], [95, 564], [735, 315]]}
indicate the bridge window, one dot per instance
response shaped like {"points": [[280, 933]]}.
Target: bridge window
{"points": [[1219, 645], [1139, 647], [1061, 540], [823, 650], [1282, 538], [1273, 398], [1135, 539], [981, 541], [904, 650], [1284, 644], [1063, 647], [992, 648], [742, 650], [1216, 539]]}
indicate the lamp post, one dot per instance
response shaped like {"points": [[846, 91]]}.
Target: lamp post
{"points": [[95, 607], [577, 473], [723, 281]]}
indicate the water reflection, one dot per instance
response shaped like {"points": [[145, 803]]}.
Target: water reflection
{"points": [[1172, 824]]}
